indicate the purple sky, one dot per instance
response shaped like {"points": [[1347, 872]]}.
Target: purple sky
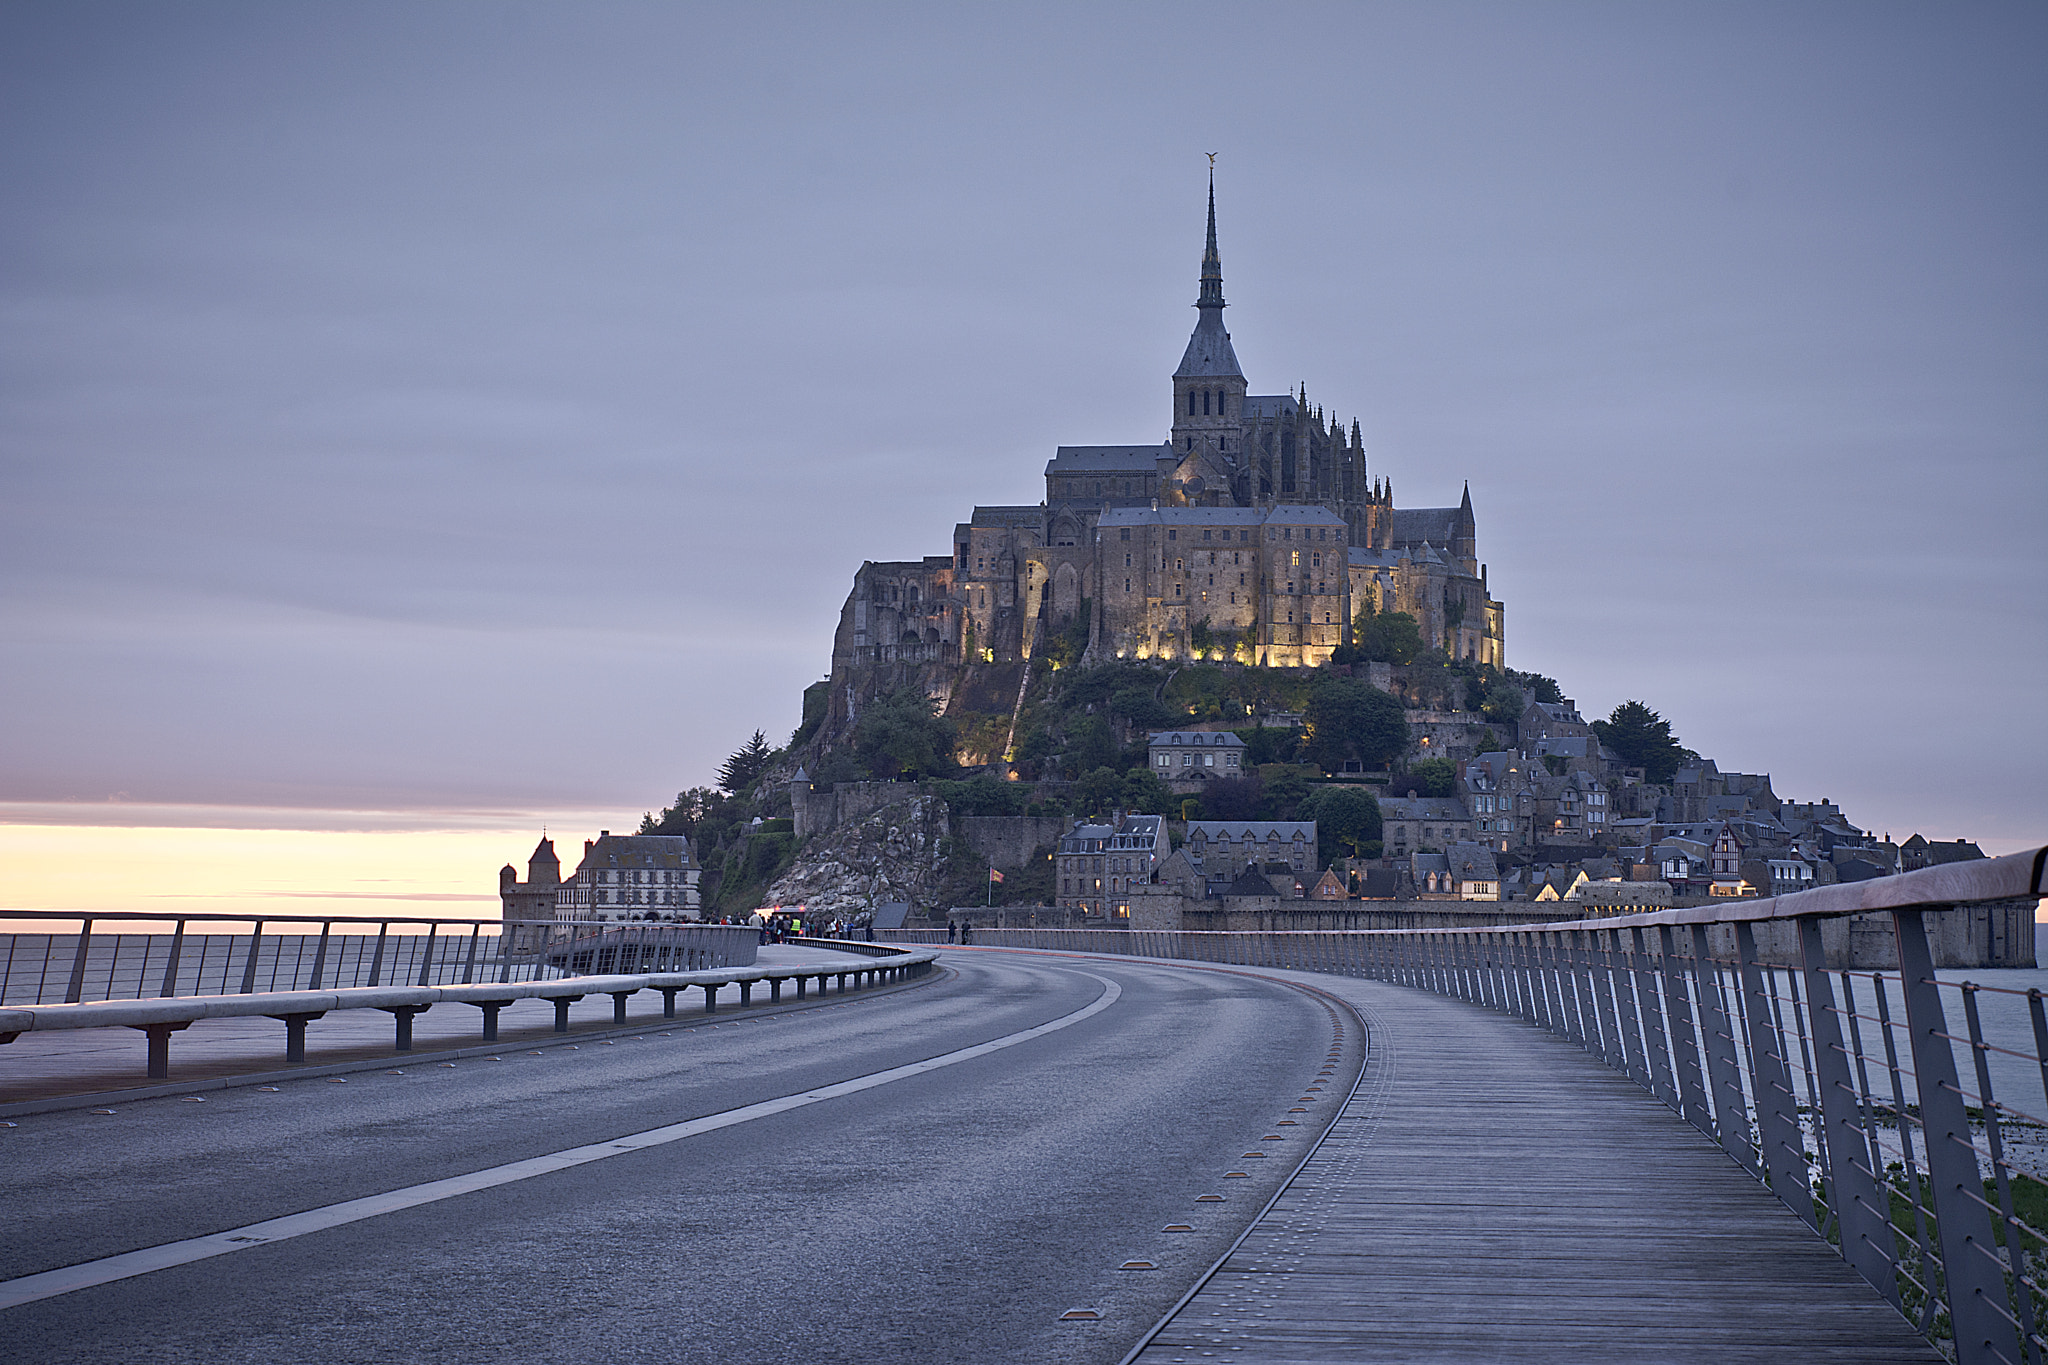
{"points": [[479, 405]]}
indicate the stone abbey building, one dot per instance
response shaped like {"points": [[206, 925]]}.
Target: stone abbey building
{"points": [[1253, 532]]}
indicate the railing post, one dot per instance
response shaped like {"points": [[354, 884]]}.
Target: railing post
{"points": [[1724, 1080], [427, 958], [377, 957], [319, 966], [1783, 1151], [1969, 1254], [76, 989], [171, 965], [249, 967], [1621, 956], [1655, 1052], [469, 966], [1607, 1004], [1863, 1213]]}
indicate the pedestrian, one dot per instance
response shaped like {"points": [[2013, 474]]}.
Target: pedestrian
{"points": [[952, 932]]}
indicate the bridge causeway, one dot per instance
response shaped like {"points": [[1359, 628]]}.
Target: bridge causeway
{"points": [[1493, 1192]]}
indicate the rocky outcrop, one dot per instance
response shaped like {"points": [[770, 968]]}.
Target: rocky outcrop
{"points": [[896, 853]]}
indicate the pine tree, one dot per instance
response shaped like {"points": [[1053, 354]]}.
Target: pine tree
{"points": [[738, 772]]}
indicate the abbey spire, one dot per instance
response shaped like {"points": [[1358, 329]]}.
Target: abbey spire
{"points": [[1212, 264], [1208, 388]]}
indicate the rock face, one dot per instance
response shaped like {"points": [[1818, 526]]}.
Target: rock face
{"points": [[896, 853]]}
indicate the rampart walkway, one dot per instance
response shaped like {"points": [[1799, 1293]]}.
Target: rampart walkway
{"points": [[1494, 1193]]}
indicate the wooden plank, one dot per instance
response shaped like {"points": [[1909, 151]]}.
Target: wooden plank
{"points": [[1496, 1193]]}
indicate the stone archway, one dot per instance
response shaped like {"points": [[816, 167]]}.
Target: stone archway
{"points": [[1066, 592]]}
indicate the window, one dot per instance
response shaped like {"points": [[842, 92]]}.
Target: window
{"points": [[1127, 561], [1172, 535], [1205, 535], [1123, 533], [1191, 402], [1296, 559]]}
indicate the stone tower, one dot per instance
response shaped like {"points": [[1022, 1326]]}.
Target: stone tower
{"points": [[1209, 387]]}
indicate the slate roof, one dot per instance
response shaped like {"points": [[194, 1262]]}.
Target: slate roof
{"points": [[1270, 404], [1106, 459], [1472, 863], [1251, 883], [1422, 808], [1362, 558], [1414, 525], [637, 850], [1290, 515], [1215, 739], [1259, 831], [1008, 516], [1209, 353], [1380, 884]]}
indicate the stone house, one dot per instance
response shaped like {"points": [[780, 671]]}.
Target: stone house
{"points": [[632, 877], [1184, 759], [1411, 824], [1498, 792], [1099, 865], [1227, 847]]}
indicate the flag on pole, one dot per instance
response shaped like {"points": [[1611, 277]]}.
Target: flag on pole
{"points": [[994, 875]]}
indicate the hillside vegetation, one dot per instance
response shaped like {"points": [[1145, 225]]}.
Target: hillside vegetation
{"points": [[1079, 748]]}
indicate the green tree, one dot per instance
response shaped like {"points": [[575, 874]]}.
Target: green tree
{"points": [[1099, 790], [1281, 790], [1641, 738], [1090, 745], [900, 734], [1346, 820], [1435, 776], [738, 772], [1147, 795], [1348, 719], [1140, 709], [1391, 637], [1503, 704], [983, 795]]}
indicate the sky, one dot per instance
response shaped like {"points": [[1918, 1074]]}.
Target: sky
{"points": [[465, 417]]}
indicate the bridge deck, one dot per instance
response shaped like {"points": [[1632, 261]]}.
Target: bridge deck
{"points": [[1494, 1193]]}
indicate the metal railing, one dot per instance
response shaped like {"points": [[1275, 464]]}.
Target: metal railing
{"points": [[285, 953], [1914, 1140]]}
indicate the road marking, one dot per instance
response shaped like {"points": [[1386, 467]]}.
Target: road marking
{"points": [[129, 1264]]}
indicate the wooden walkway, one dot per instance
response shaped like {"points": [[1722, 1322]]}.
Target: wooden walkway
{"points": [[1493, 1193]]}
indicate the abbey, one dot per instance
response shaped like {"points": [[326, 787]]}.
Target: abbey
{"points": [[1253, 532]]}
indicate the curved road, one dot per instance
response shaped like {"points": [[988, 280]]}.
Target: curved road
{"points": [[953, 1213]]}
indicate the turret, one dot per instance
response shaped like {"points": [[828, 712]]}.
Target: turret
{"points": [[544, 868]]}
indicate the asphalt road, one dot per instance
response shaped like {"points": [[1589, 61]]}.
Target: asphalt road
{"points": [[954, 1214]]}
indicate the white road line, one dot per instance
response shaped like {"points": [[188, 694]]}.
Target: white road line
{"points": [[50, 1283]]}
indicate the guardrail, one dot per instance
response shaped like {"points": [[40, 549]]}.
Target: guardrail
{"points": [[165, 1015], [1892, 1129], [329, 952]]}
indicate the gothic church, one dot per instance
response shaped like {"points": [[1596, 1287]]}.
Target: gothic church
{"points": [[1253, 532]]}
